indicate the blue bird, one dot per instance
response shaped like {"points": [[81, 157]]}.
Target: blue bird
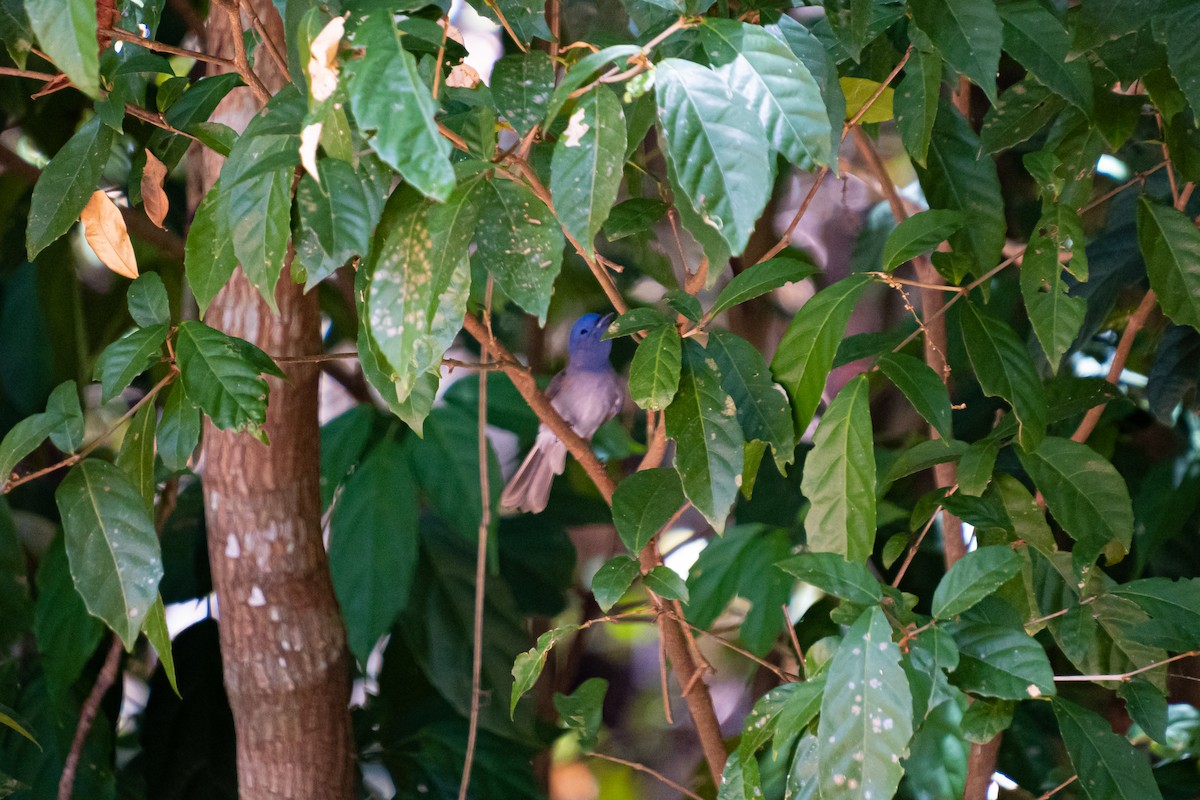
{"points": [[587, 393]]}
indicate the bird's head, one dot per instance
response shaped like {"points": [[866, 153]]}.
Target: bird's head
{"points": [[587, 347]]}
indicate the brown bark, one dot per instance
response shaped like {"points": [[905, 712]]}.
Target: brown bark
{"points": [[282, 640]]}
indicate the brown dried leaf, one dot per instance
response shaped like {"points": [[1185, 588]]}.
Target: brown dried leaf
{"points": [[463, 76], [153, 197], [104, 229]]}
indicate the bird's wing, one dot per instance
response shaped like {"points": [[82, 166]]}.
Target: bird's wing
{"points": [[555, 385]]}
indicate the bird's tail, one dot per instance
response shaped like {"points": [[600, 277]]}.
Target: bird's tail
{"points": [[529, 489]]}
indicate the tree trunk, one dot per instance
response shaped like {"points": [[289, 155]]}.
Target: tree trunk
{"points": [[282, 640]]}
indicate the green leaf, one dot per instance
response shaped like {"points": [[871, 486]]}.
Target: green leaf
{"points": [[373, 545], [821, 65], [66, 31], [128, 357], [866, 714], [931, 654], [10, 719], [634, 320], [188, 112], [839, 477], [63, 406], [643, 503], [805, 355], [972, 578], [529, 665], [762, 405], [111, 545], [208, 256], [742, 563], [519, 242], [850, 20], [147, 299], [1022, 110], [67, 635], [958, 178], [633, 216], [654, 372], [179, 429], [1035, 37], [581, 72], [1179, 21], [923, 388], [67, 182], [414, 304], [613, 579], [975, 467], [335, 220], [1172, 603], [716, 147], [446, 463], [522, 84], [15, 31], [858, 93], [219, 377], [915, 103], [759, 279], [834, 575], [1004, 369], [924, 455], [1170, 244], [967, 34], [23, 438], [1109, 766], [703, 422], [774, 85], [136, 456], [1084, 492], [581, 711], [919, 234], [686, 304], [999, 661], [1055, 315], [258, 212], [388, 97], [985, 719], [585, 170], [666, 583], [160, 637], [1147, 705]]}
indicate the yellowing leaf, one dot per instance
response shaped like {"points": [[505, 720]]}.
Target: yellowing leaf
{"points": [[104, 229], [154, 199], [858, 91], [322, 61]]}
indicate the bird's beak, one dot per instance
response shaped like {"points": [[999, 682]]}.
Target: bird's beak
{"points": [[605, 321]]}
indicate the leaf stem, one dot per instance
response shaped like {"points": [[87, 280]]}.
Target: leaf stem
{"points": [[1125, 676], [647, 770]]}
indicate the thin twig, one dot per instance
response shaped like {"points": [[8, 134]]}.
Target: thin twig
{"points": [[912, 548], [485, 521], [647, 770], [87, 715], [786, 239], [495, 7], [240, 62], [13, 72], [783, 675], [157, 120], [862, 112], [791, 629], [272, 49], [75, 458], [1059, 788], [159, 47], [1125, 676], [441, 57]]}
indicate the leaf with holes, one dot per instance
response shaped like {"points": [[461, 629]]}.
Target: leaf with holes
{"points": [[585, 170], [529, 665], [866, 714]]}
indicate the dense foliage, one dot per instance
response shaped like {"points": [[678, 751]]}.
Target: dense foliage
{"points": [[388, 178]]}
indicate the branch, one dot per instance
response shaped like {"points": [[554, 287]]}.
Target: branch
{"points": [[1058, 788], [241, 63], [104, 682], [485, 521], [652, 773], [1124, 676], [159, 47]]}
